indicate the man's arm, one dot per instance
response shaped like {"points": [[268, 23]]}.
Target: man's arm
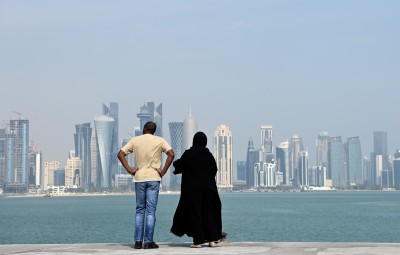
{"points": [[168, 162], [122, 159]]}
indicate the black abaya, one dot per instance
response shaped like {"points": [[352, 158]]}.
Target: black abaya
{"points": [[198, 214]]}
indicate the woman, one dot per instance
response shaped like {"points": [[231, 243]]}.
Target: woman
{"points": [[198, 214]]}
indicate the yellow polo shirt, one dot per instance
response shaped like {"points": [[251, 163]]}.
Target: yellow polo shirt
{"points": [[147, 150]]}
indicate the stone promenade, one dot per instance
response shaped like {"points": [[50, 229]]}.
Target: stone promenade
{"points": [[226, 248]]}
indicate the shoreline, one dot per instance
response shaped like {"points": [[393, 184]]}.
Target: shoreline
{"points": [[83, 194], [173, 193]]}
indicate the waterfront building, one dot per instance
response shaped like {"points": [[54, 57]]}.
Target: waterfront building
{"points": [[367, 174], [396, 169], [94, 159], [266, 143], [322, 149], [59, 177], [176, 136], [295, 147], [2, 156], [252, 157], [240, 171], [105, 126], [123, 181], [380, 155], [73, 172], [353, 161], [336, 168], [265, 175], [35, 168], [17, 158], [48, 173], [223, 157], [283, 161], [378, 166], [303, 169], [317, 176], [82, 139]]}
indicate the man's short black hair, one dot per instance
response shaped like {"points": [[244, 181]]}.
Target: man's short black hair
{"points": [[149, 127]]}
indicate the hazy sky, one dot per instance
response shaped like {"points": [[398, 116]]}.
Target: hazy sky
{"points": [[301, 66]]}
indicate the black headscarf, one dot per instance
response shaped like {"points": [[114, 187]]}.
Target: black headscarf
{"points": [[200, 140]]}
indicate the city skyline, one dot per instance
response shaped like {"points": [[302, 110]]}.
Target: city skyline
{"points": [[303, 67]]}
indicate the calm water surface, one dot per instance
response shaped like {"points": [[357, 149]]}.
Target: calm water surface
{"points": [[260, 216]]}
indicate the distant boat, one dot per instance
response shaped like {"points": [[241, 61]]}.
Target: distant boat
{"points": [[388, 189], [48, 195]]}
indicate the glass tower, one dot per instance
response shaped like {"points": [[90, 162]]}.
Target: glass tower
{"points": [[353, 159], [336, 170], [296, 146], [105, 126], [322, 149], [176, 134], [17, 157], [303, 169], [282, 161], [189, 130], [253, 157], [2, 156], [83, 137], [396, 169]]}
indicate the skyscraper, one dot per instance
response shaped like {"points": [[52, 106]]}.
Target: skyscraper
{"points": [[189, 130], [105, 126], [17, 158], [49, 173], [380, 156], [149, 112], [176, 135], [380, 143], [94, 158], [2, 156], [73, 172], [252, 157], [396, 169], [336, 170], [82, 137], [266, 143], [295, 147], [353, 159], [303, 168], [223, 156], [282, 161], [241, 170], [322, 149]]}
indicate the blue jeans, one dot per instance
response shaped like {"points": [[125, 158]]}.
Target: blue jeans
{"points": [[146, 204]]}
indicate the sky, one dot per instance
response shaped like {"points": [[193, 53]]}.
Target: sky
{"points": [[301, 66]]}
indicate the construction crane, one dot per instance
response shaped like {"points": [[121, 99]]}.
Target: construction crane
{"points": [[18, 113]]}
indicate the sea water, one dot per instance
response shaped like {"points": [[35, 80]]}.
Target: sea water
{"points": [[247, 216]]}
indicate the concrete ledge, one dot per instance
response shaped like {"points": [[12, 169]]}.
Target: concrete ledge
{"points": [[225, 248]]}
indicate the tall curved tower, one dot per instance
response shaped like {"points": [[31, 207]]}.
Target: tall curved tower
{"points": [[105, 126], [189, 130]]}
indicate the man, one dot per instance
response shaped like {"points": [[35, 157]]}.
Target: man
{"points": [[147, 150]]}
